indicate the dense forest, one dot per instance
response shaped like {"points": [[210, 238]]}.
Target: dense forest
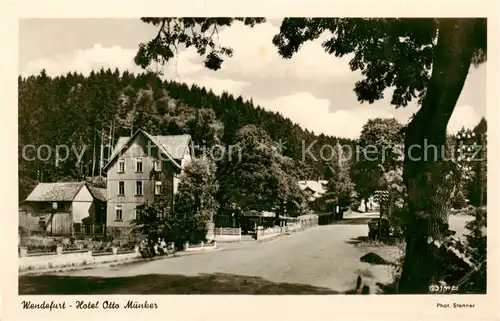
{"points": [[89, 113]]}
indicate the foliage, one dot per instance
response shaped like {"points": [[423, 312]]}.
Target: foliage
{"points": [[476, 239], [265, 178], [463, 264], [389, 52], [459, 200], [197, 189], [151, 219], [187, 32], [464, 179], [380, 152], [392, 181], [340, 188], [469, 180], [182, 228], [480, 180], [355, 204], [156, 221], [65, 110], [410, 55], [196, 203], [291, 201], [427, 59], [477, 230]]}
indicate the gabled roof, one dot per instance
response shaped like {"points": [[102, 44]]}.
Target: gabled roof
{"points": [[98, 193], [55, 192], [176, 145], [173, 146]]}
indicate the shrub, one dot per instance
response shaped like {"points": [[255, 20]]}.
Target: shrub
{"points": [[42, 248], [459, 200], [194, 206], [463, 263], [476, 241], [355, 204]]}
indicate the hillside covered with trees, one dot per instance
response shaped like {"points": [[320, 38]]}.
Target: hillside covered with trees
{"points": [[87, 112]]}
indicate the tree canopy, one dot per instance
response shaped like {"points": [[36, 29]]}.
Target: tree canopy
{"points": [[198, 33], [393, 53], [87, 111], [380, 149], [340, 190], [427, 59], [257, 177]]}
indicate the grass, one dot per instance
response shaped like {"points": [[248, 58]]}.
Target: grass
{"points": [[363, 241], [353, 221]]}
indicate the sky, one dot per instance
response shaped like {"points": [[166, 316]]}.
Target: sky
{"points": [[313, 89]]}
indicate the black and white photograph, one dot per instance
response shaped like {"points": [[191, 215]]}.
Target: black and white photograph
{"points": [[252, 156]]}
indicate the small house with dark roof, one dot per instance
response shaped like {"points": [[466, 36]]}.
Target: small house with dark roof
{"points": [[96, 223], [142, 168], [63, 208]]}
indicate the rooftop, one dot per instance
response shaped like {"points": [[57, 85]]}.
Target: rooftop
{"points": [[318, 187], [175, 145], [55, 192]]}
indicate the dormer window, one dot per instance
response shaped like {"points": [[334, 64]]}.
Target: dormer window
{"points": [[138, 165], [157, 165], [121, 166]]}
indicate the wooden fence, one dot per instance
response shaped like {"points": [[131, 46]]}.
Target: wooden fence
{"points": [[226, 234], [199, 247], [227, 231]]}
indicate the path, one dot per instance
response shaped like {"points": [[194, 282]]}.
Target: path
{"points": [[324, 257]]}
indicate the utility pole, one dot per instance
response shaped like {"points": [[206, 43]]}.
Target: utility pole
{"points": [[93, 153], [101, 154]]}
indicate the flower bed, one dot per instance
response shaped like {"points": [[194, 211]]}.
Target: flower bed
{"points": [[42, 253], [41, 249]]}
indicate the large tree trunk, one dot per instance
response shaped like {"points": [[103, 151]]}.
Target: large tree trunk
{"points": [[423, 172]]}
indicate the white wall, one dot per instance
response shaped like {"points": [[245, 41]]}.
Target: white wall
{"points": [[129, 201], [40, 262], [176, 182], [186, 160], [81, 205]]}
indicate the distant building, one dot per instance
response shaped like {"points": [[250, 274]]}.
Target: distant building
{"points": [[141, 168], [314, 191], [63, 208]]}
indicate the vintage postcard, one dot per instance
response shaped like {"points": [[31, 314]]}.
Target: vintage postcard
{"points": [[225, 160]]}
